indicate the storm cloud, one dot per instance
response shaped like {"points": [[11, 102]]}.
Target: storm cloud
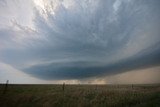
{"points": [[79, 39]]}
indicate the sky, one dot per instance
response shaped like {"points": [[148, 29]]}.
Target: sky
{"points": [[80, 41]]}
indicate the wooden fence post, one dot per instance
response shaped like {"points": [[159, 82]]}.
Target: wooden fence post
{"points": [[63, 86], [6, 86]]}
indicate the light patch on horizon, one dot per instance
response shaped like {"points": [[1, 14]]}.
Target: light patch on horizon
{"points": [[142, 76]]}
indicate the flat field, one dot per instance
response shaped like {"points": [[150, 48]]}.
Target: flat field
{"points": [[80, 95]]}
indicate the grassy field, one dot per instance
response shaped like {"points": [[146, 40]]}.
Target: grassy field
{"points": [[80, 96]]}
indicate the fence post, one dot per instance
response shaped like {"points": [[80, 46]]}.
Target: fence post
{"points": [[6, 86], [63, 86]]}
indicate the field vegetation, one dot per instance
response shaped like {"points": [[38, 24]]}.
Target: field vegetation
{"points": [[80, 96]]}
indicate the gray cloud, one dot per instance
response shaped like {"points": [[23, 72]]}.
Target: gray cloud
{"points": [[81, 39]]}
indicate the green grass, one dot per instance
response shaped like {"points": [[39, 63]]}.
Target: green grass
{"points": [[80, 96]]}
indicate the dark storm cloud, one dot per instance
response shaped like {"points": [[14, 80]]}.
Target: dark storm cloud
{"points": [[79, 39], [81, 70]]}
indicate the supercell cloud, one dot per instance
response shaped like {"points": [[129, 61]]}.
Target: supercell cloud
{"points": [[79, 39]]}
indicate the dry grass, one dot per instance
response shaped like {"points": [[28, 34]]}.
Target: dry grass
{"points": [[80, 96]]}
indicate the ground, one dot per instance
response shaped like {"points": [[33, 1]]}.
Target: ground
{"points": [[80, 95]]}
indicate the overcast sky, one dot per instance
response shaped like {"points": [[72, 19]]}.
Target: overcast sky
{"points": [[80, 41]]}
